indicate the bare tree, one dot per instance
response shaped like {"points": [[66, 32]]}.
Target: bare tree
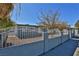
{"points": [[61, 26], [49, 20]]}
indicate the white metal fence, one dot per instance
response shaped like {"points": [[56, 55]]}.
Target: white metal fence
{"points": [[23, 36], [33, 42]]}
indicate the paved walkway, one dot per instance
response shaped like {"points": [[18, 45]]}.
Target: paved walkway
{"points": [[66, 49]]}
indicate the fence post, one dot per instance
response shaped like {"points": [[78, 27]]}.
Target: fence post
{"points": [[62, 37], [70, 33], [2, 40], [45, 37]]}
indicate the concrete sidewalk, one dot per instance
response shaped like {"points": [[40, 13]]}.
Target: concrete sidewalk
{"points": [[66, 49], [37, 48]]}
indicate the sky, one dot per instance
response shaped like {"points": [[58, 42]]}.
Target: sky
{"points": [[28, 13]]}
